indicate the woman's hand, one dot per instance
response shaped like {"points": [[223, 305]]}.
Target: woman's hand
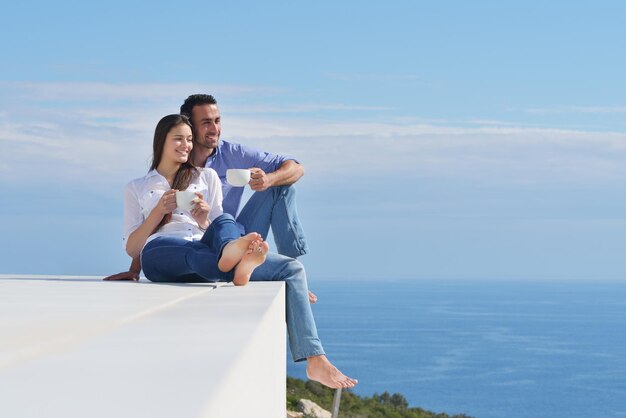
{"points": [[200, 211], [167, 203]]}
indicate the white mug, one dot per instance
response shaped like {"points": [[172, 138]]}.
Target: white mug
{"points": [[238, 177], [184, 198]]}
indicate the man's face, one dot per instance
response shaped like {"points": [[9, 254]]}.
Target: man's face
{"points": [[206, 124]]}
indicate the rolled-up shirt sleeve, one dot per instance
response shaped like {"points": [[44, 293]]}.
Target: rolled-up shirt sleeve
{"points": [[266, 161], [133, 217]]}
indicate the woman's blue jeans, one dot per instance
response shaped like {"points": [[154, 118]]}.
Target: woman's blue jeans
{"points": [[176, 260], [169, 259]]}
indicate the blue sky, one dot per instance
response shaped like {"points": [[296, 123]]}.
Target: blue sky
{"points": [[440, 139]]}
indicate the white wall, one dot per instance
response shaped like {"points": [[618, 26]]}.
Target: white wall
{"points": [[77, 347]]}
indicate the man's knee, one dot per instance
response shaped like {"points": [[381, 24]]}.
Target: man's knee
{"points": [[286, 190], [280, 192], [295, 271]]}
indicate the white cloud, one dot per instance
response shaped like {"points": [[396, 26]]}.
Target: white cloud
{"points": [[106, 131], [100, 92], [490, 154], [304, 108], [376, 77], [578, 109]]}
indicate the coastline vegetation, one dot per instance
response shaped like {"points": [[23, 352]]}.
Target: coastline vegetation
{"points": [[383, 405]]}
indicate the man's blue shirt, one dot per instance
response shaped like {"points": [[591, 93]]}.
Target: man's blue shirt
{"points": [[228, 155]]}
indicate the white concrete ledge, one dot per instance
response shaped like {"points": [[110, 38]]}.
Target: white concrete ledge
{"points": [[81, 347]]}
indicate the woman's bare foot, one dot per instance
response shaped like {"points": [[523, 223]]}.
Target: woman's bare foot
{"points": [[254, 257], [235, 250], [321, 370]]}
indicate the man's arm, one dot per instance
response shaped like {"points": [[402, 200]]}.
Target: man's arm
{"points": [[288, 173]]}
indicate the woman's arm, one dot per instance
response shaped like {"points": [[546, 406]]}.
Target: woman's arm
{"points": [[208, 205], [214, 195], [200, 211], [139, 236]]}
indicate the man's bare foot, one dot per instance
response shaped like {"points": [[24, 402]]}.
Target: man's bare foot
{"points": [[321, 370], [254, 257], [235, 250]]}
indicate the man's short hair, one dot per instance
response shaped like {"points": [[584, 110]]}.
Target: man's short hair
{"points": [[196, 100]]}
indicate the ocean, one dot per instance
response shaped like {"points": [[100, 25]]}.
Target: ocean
{"points": [[487, 348]]}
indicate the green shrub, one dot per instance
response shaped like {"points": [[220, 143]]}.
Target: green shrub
{"points": [[385, 405]]}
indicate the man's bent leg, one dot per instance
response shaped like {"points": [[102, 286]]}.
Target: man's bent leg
{"points": [[303, 339], [276, 207]]}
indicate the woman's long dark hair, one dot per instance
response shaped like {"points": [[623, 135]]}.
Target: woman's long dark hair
{"points": [[186, 172]]}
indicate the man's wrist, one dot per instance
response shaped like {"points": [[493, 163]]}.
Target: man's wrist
{"points": [[271, 179]]}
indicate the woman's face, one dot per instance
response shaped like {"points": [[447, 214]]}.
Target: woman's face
{"points": [[178, 144]]}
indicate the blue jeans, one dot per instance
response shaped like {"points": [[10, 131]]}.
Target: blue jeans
{"points": [[166, 259], [303, 339], [276, 207], [170, 259]]}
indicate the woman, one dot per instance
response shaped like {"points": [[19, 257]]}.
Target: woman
{"points": [[177, 245]]}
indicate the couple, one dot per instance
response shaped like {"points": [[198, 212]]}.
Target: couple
{"points": [[207, 243]]}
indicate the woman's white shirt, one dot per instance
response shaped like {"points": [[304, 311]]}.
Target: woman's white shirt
{"points": [[142, 195]]}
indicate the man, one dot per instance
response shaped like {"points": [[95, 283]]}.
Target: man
{"points": [[272, 177], [272, 204]]}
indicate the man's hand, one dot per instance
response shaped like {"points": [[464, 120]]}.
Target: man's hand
{"points": [[312, 297], [200, 211], [259, 180]]}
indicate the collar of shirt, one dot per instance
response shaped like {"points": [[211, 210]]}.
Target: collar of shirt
{"points": [[216, 151], [153, 173]]}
